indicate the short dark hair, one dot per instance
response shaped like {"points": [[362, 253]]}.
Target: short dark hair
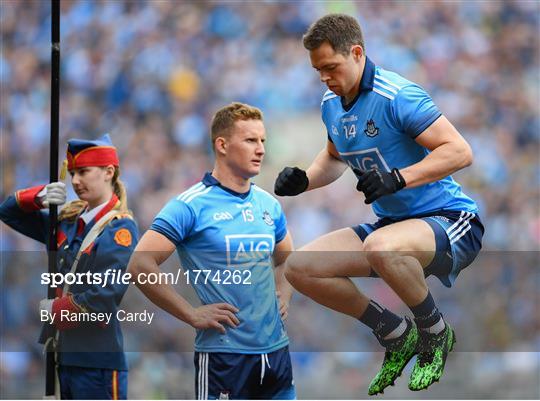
{"points": [[224, 119], [341, 31]]}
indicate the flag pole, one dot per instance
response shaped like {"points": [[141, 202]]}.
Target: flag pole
{"points": [[50, 375]]}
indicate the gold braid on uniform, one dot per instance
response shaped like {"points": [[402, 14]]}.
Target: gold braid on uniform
{"points": [[72, 210]]}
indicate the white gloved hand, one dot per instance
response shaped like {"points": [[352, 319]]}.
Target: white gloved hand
{"points": [[46, 304], [55, 194]]}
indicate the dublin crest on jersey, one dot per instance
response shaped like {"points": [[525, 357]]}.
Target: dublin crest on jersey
{"points": [[267, 218], [371, 130]]}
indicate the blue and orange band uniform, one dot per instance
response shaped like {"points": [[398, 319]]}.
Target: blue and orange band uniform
{"points": [[83, 346]]}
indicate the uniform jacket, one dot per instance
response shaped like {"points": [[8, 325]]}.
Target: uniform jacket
{"points": [[82, 343]]}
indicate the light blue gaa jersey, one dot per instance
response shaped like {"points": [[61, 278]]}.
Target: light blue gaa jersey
{"points": [[232, 235], [379, 128]]}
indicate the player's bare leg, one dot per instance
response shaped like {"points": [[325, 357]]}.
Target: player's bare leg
{"points": [[398, 253], [321, 271]]}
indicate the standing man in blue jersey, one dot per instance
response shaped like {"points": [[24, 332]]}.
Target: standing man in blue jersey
{"points": [[232, 232], [402, 149]]}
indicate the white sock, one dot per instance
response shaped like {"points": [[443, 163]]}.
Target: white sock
{"points": [[398, 331], [436, 328]]}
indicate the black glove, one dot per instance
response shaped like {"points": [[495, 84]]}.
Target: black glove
{"points": [[375, 183], [291, 181]]}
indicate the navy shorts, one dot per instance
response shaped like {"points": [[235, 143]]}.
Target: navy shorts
{"points": [[458, 239], [228, 376], [77, 383]]}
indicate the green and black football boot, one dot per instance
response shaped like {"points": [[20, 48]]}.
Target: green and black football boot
{"points": [[398, 353], [433, 350]]}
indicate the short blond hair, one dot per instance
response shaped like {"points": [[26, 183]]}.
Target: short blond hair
{"points": [[224, 119]]}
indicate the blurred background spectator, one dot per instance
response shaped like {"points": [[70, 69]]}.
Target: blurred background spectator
{"points": [[151, 73]]}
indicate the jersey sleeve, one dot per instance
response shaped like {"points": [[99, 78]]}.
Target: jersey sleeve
{"points": [[328, 136], [281, 224], [324, 111], [175, 221], [414, 110]]}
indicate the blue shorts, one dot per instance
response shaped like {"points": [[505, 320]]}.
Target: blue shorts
{"points": [[77, 383], [228, 376], [458, 239]]}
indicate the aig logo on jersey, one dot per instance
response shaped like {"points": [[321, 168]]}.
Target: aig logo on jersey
{"points": [[245, 250], [218, 216]]}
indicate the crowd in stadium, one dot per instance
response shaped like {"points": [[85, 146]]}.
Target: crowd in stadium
{"points": [[152, 74]]}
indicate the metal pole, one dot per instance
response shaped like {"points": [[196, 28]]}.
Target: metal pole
{"points": [[50, 377]]}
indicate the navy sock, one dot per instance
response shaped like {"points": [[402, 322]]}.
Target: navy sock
{"points": [[379, 319], [426, 313]]}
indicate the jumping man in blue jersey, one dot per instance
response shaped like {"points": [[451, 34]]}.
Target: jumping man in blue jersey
{"points": [[402, 150], [232, 231]]}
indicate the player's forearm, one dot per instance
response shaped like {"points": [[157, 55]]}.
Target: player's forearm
{"points": [[141, 267], [324, 170], [440, 163]]}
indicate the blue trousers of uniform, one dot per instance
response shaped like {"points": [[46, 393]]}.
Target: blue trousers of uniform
{"points": [[92, 384]]}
